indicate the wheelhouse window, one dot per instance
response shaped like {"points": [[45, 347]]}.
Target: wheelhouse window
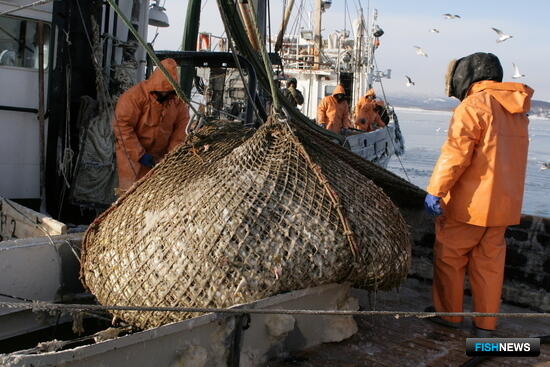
{"points": [[19, 42]]}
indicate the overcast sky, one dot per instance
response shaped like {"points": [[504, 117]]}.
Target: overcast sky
{"points": [[407, 23]]}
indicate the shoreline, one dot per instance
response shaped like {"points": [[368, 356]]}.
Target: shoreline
{"points": [[419, 109]]}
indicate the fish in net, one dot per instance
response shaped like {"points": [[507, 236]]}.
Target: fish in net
{"points": [[235, 215]]}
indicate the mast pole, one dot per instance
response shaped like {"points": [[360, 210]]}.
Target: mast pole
{"points": [[284, 23], [189, 43], [317, 39], [41, 118]]}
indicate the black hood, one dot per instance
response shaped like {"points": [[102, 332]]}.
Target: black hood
{"points": [[473, 68]]}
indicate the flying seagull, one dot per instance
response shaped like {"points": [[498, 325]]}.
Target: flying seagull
{"points": [[501, 35], [434, 30], [420, 51], [451, 16], [517, 74], [409, 81]]}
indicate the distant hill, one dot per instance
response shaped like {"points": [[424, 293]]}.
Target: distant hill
{"points": [[538, 108]]}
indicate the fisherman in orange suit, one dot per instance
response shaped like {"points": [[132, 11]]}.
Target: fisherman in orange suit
{"points": [[366, 115], [333, 111], [476, 188], [149, 122]]}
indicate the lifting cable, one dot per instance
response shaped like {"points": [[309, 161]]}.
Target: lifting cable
{"points": [[32, 5], [393, 143], [37, 306]]}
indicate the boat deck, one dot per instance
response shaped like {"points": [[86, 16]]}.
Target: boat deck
{"points": [[386, 341]]}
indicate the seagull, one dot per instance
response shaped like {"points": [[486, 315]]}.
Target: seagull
{"points": [[451, 16], [517, 74], [409, 81], [420, 51], [501, 35], [438, 130], [434, 30]]}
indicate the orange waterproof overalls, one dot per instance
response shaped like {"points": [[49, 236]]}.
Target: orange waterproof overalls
{"points": [[143, 125], [480, 177], [366, 115], [334, 115]]}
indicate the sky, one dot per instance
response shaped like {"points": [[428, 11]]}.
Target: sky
{"points": [[407, 24]]}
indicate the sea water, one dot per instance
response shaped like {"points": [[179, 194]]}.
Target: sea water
{"points": [[425, 132]]}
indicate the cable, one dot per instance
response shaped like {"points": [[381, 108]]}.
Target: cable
{"points": [[393, 143], [37, 306], [240, 69], [32, 5]]}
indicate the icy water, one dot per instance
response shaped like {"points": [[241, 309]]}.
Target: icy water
{"points": [[425, 132]]}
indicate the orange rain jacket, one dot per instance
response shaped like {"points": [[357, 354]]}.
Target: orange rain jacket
{"points": [[480, 173], [333, 114], [365, 114], [143, 125]]}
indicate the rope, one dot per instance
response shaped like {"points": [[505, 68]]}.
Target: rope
{"points": [[36, 306], [393, 143], [32, 5]]}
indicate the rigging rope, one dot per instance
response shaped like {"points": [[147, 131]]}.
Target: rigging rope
{"points": [[32, 5], [386, 102]]}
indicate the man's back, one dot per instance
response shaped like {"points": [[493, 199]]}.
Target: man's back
{"points": [[485, 156]]}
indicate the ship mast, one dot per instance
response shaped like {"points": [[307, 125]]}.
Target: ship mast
{"points": [[317, 39], [358, 75]]}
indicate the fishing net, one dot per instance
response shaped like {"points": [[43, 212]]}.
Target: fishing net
{"points": [[235, 215]]}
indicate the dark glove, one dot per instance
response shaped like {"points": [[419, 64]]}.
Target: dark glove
{"points": [[292, 91], [147, 160], [431, 203]]}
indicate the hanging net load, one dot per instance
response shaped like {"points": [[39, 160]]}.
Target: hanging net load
{"points": [[235, 215]]}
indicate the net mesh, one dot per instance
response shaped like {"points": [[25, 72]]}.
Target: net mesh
{"points": [[235, 215]]}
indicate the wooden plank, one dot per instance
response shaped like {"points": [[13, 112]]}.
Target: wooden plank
{"points": [[17, 221]]}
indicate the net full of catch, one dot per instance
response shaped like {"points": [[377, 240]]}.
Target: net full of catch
{"points": [[235, 215]]}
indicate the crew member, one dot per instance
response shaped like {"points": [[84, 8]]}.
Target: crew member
{"points": [[476, 188], [333, 111], [149, 122], [366, 116], [293, 95]]}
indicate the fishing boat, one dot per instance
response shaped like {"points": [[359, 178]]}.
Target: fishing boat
{"points": [[319, 65], [91, 57]]}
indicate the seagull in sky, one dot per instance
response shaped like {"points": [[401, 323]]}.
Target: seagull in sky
{"points": [[451, 16], [501, 35], [517, 74], [409, 81], [420, 51], [434, 30]]}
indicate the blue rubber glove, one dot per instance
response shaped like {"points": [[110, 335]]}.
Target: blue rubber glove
{"points": [[431, 203], [147, 160]]}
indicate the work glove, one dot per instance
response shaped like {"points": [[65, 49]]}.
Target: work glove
{"points": [[431, 203], [147, 160]]}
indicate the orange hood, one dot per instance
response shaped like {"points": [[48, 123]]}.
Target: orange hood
{"points": [[514, 97], [157, 82], [339, 90]]}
